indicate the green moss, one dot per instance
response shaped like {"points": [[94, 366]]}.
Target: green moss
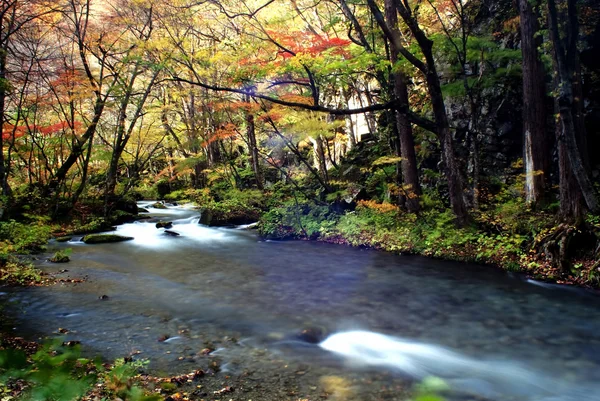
{"points": [[61, 256], [65, 238], [104, 238]]}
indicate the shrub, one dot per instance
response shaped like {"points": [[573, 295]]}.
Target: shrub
{"points": [[23, 238], [16, 272], [58, 372]]}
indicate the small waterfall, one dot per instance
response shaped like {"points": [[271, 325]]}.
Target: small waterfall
{"points": [[492, 379], [185, 222]]}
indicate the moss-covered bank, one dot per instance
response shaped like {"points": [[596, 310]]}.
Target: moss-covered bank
{"points": [[509, 237]]}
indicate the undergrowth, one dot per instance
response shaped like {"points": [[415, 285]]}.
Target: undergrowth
{"points": [[58, 372]]}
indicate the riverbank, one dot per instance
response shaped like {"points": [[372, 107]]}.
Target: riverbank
{"points": [[503, 232], [516, 241]]}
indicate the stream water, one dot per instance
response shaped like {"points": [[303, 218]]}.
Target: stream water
{"points": [[387, 318]]}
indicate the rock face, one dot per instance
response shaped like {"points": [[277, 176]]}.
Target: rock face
{"points": [[164, 224], [104, 238]]}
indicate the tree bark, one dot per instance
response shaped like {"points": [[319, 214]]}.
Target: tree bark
{"points": [[534, 113], [566, 59], [254, 157], [442, 125], [405, 140]]}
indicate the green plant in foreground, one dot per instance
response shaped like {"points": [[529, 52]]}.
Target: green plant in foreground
{"points": [[54, 372], [429, 389], [15, 272], [58, 372]]}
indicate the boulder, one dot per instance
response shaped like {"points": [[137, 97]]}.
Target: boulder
{"points": [[164, 224], [104, 238], [65, 238], [158, 205], [60, 258], [311, 335], [219, 217]]}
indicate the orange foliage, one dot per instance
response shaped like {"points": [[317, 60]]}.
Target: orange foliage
{"points": [[273, 115], [225, 131], [308, 42], [298, 99], [379, 207], [10, 131]]}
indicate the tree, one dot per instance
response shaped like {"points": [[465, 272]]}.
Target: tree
{"points": [[566, 56], [411, 188], [536, 151], [428, 68], [132, 64], [77, 27], [15, 16]]}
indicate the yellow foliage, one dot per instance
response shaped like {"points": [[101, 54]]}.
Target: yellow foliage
{"points": [[384, 207]]}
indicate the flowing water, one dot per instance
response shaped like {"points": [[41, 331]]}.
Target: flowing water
{"points": [[388, 318]]}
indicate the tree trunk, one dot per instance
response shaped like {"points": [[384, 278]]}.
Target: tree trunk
{"points": [[452, 166], [442, 126], [320, 157], [3, 88], [405, 140], [566, 59], [534, 113], [254, 157]]}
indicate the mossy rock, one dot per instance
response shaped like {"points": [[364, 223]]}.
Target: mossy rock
{"points": [[60, 259], [65, 238], [92, 228], [158, 205], [143, 210], [164, 224], [104, 238], [121, 217], [221, 217]]}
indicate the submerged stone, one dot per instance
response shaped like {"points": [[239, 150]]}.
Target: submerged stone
{"points": [[104, 238], [172, 233], [164, 224]]}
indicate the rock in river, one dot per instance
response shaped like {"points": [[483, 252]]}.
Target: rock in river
{"points": [[104, 238], [172, 233], [164, 224], [65, 238]]}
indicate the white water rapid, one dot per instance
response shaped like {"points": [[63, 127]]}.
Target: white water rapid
{"points": [[487, 378]]}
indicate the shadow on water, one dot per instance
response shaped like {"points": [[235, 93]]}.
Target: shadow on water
{"points": [[486, 332]]}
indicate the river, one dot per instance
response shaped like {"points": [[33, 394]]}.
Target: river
{"points": [[386, 319]]}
